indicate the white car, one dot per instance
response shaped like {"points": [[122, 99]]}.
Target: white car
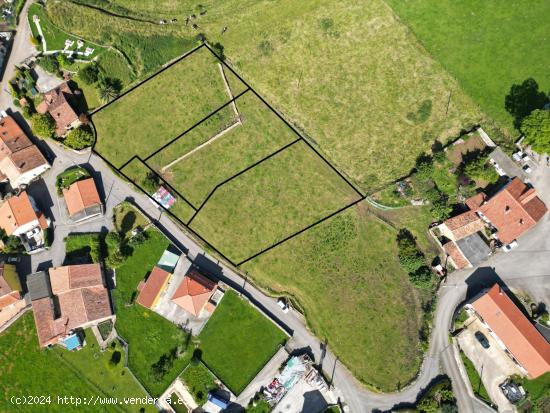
{"points": [[527, 169], [509, 247], [282, 302]]}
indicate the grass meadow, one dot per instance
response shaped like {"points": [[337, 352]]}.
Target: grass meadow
{"points": [[238, 341], [138, 172], [260, 134], [346, 276], [487, 46], [142, 121], [28, 370], [271, 201]]}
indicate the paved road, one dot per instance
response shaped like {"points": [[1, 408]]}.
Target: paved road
{"points": [[526, 268], [21, 49]]}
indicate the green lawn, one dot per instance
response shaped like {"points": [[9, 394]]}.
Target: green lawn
{"points": [[54, 36], [82, 248], [159, 110], [477, 386], [538, 391], [199, 381], [27, 370], [238, 341], [127, 218], [346, 276], [271, 201], [149, 335], [261, 134], [66, 178], [487, 46], [138, 172]]}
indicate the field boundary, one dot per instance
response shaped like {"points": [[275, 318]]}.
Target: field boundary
{"points": [[232, 102]]}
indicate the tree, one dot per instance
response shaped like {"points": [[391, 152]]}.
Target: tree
{"points": [[89, 74], [477, 167], [49, 64], [114, 254], [79, 138], [441, 209], [43, 125], [410, 258], [63, 60], [109, 89], [523, 99], [536, 128]]}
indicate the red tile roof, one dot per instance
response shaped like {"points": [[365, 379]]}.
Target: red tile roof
{"points": [[81, 195], [15, 212], [59, 107], [474, 202], [456, 255], [194, 292], [514, 210], [465, 224], [81, 296], [153, 287], [517, 333], [12, 137]]}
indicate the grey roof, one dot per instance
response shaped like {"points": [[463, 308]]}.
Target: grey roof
{"points": [[39, 286], [474, 248]]}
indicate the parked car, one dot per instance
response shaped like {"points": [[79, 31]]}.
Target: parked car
{"points": [[509, 247], [482, 339], [527, 169], [512, 391], [283, 303]]}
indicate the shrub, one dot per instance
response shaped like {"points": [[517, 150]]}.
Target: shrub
{"points": [[412, 260], [89, 74], [79, 138], [114, 253], [536, 128], [49, 64], [43, 125], [63, 60]]}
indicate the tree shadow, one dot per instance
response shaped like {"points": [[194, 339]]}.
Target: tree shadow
{"points": [[523, 98]]}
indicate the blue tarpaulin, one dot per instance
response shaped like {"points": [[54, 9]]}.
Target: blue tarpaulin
{"points": [[218, 401]]}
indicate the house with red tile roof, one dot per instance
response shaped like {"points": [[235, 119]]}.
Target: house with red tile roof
{"points": [[82, 200], [524, 344], [194, 292], [20, 160], [71, 297], [151, 289], [60, 104], [513, 210], [20, 217]]}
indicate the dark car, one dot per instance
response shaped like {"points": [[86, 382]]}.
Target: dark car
{"points": [[482, 339], [512, 391]]}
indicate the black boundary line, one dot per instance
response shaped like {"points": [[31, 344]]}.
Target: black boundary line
{"points": [[186, 225], [171, 141], [179, 59], [283, 119], [155, 201], [300, 231], [129, 161], [160, 177], [242, 172]]}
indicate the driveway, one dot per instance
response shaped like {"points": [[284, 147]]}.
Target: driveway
{"points": [[493, 365]]}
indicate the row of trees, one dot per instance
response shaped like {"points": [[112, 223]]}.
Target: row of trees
{"points": [[413, 261]]}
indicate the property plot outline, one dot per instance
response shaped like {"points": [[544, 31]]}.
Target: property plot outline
{"points": [[186, 225]]}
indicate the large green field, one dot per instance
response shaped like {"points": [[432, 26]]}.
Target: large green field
{"points": [[27, 370], [346, 276], [488, 46], [142, 121], [260, 134], [273, 200], [347, 73], [238, 341]]}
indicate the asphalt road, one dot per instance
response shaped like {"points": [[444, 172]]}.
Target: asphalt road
{"points": [[21, 49], [526, 268]]}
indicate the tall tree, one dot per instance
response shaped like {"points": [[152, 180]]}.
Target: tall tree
{"points": [[536, 128]]}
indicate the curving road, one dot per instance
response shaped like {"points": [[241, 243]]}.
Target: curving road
{"points": [[526, 268]]}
